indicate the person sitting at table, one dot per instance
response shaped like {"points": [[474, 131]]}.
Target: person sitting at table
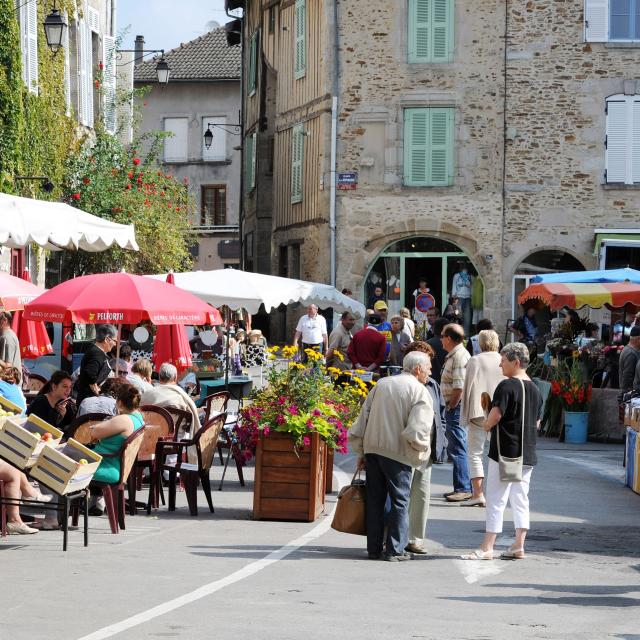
{"points": [[106, 401], [16, 487], [112, 433], [10, 379], [140, 376], [54, 404], [169, 394]]}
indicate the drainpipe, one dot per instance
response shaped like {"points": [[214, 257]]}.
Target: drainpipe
{"points": [[114, 13], [334, 143]]}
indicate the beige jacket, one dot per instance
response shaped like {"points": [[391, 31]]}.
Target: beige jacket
{"points": [[483, 375], [174, 396], [395, 421]]}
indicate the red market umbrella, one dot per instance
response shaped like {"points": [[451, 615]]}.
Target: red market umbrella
{"points": [[120, 298], [33, 337], [171, 343], [16, 292], [576, 295]]}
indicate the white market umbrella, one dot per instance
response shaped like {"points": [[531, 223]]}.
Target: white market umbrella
{"points": [[244, 290], [56, 226]]}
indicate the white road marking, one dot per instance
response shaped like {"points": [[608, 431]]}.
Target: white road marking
{"points": [[208, 589]]}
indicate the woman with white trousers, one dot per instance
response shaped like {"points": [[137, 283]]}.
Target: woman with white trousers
{"points": [[517, 430], [482, 377]]}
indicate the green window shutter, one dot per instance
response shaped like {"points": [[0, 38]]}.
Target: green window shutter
{"points": [[253, 64], [300, 50], [431, 30], [297, 163], [250, 162], [428, 147]]}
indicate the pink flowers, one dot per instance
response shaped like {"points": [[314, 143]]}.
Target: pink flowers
{"points": [[306, 441], [280, 419], [293, 410], [316, 412]]}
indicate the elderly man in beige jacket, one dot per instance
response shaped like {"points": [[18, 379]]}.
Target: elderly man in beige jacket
{"points": [[483, 376], [392, 436]]}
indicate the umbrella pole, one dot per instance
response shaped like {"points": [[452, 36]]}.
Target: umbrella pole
{"points": [[118, 346], [226, 359]]}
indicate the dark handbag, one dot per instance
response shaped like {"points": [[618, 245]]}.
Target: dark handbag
{"points": [[511, 468], [350, 515]]}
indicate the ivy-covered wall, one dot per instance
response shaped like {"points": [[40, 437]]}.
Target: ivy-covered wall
{"points": [[36, 135]]}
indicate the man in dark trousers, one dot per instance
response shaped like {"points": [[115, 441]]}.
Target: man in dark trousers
{"points": [[436, 344], [94, 368]]}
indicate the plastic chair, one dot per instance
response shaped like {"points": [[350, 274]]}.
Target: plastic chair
{"points": [[181, 418], [80, 430], [215, 402], [204, 441], [114, 493]]}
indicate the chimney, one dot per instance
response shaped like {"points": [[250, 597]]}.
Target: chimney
{"points": [[139, 50]]}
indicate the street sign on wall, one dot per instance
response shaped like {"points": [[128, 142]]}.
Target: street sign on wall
{"points": [[347, 181]]}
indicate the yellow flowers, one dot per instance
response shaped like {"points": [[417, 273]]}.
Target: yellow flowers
{"points": [[273, 349], [334, 371], [313, 355], [338, 355], [289, 351], [296, 365]]}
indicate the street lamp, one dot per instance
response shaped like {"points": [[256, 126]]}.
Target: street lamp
{"points": [[55, 28], [162, 67], [208, 134]]}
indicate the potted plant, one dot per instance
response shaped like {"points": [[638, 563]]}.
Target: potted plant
{"points": [[573, 389], [289, 426]]}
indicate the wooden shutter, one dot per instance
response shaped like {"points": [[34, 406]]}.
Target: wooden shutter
{"points": [[31, 31], [416, 140], [109, 83], [83, 96], [617, 140], [441, 147], [93, 19], [67, 67], [596, 20], [635, 141], [419, 30], [175, 146], [253, 64], [254, 152], [300, 49], [297, 163], [250, 162], [442, 23]]}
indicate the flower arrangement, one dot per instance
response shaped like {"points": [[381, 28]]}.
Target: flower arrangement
{"points": [[301, 399], [571, 386]]}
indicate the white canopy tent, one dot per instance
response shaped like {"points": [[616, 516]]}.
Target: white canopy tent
{"points": [[241, 289], [57, 226]]}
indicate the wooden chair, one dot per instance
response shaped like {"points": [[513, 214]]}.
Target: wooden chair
{"points": [[159, 426], [34, 382], [181, 419], [215, 402], [114, 493], [204, 441], [80, 430]]}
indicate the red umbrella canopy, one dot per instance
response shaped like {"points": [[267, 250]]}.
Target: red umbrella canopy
{"points": [[120, 298], [16, 292], [32, 336], [171, 343]]}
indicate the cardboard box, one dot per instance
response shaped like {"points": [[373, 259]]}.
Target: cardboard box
{"points": [[632, 460], [59, 468], [22, 439]]}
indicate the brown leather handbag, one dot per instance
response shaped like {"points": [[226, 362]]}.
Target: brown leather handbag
{"points": [[351, 514]]}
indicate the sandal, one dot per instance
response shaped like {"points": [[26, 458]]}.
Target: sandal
{"points": [[513, 554], [478, 554]]}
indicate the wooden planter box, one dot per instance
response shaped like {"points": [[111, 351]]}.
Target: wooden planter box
{"points": [[60, 468], [328, 487], [289, 485], [21, 440]]}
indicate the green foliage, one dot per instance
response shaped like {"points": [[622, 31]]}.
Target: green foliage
{"points": [[113, 182]]}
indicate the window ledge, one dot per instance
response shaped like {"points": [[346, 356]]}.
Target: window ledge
{"points": [[613, 44], [619, 186]]}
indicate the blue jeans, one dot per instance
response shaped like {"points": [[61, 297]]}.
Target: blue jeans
{"points": [[457, 450], [386, 477]]}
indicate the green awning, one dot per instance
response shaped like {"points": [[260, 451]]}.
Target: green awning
{"points": [[613, 236]]}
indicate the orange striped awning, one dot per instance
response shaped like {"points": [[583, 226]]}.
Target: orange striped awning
{"points": [[596, 294]]}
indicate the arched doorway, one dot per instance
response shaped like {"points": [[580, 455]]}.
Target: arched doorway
{"points": [[400, 266]]}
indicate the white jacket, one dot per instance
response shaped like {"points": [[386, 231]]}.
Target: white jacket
{"points": [[395, 421]]}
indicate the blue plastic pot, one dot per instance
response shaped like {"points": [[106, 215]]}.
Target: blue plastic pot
{"points": [[576, 426]]}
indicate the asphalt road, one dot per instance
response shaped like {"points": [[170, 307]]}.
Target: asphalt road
{"points": [[224, 576]]}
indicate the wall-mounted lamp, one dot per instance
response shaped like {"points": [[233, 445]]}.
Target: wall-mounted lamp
{"points": [[233, 129], [162, 66], [55, 29]]}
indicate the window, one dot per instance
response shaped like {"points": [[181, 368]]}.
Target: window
{"points": [[430, 26], [213, 208], [611, 20], [300, 48], [428, 147], [622, 141], [28, 18], [250, 162], [175, 146], [218, 149], [253, 64], [297, 163]]}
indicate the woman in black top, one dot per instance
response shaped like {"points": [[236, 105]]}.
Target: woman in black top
{"points": [[54, 404], [505, 421]]}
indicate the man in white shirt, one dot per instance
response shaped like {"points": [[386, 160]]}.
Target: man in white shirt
{"points": [[312, 329]]}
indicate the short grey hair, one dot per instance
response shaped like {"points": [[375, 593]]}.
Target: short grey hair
{"points": [[488, 340], [413, 360], [104, 331], [516, 351], [167, 372]]}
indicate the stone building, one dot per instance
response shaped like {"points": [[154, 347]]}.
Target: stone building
{"points": [[501, 136], [203, 94]]}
